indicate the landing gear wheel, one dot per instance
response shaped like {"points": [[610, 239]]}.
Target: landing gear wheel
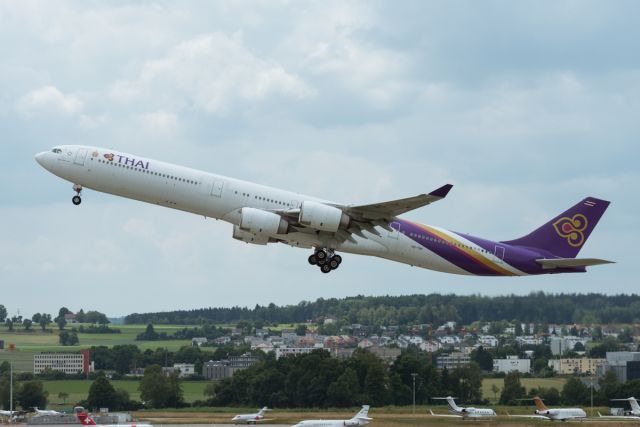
{"points": [[326, 268], [337, 258], [76, 199], [333, 263], [322, 255], [321, 262], [313, 259]]}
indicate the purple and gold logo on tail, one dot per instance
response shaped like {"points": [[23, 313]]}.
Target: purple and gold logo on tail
{"points": [[572, 229]]}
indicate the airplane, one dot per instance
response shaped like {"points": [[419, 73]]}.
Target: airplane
{"points": [[359, 419], [85, 419], [250, 418], [461, 412], [633, 414], [43, 412], [261, 215], [556, 414], [11, 414]]}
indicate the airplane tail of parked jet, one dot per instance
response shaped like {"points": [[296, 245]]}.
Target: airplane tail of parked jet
{"points": [[363, 414], [565, 234], [262, 411], [85, 419], [540, 405]]}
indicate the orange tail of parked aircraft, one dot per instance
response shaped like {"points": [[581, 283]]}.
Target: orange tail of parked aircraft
{"points": [[539, 404]]}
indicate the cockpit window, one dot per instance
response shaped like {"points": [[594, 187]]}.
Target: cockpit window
{"points": [[57, 150]]}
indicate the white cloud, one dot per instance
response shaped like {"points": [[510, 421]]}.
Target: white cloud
{"points": [[160, 121], [213, 72], [49, 99]]}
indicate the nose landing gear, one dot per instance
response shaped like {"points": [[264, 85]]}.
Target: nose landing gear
{"points": [[76, 200], [326, 259]]}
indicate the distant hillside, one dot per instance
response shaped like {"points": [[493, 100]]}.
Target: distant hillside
{"points": [[419, 309]]}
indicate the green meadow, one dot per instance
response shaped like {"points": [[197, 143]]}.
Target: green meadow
{"points": [[79, 389]]}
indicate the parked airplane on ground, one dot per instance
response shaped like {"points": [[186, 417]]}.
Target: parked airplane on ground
{"points": [[42, 412], [557, 414], [4, 413], [85, 419], [633, 414], [262, 215], [359, 419], [462, 412], [250, 418]]}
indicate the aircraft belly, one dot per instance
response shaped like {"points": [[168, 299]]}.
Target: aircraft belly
{"points": [[410, 252]]}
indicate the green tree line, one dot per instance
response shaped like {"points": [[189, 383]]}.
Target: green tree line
{"points": [[419, 309]]}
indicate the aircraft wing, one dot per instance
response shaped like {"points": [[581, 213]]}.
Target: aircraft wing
{"points": [[393, 208], [549, 263], [366, 217], [533, 416], [444, 415], [618, 417]]}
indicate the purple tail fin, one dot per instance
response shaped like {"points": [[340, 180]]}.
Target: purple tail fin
{"points": [[565, 234]]}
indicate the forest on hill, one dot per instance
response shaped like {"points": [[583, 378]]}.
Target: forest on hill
{"points": [[536, 307]]}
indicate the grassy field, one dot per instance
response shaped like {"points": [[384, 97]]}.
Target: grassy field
{"points": [[528, 383], [36, 341], [78, 390]]}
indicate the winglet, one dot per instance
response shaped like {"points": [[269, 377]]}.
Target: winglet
{"points": [[442, 191]]}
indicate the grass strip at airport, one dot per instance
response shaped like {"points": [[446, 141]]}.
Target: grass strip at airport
{"points": [[389, 416]]}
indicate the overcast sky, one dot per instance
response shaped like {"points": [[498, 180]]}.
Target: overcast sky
{"points": [[526, 107]]}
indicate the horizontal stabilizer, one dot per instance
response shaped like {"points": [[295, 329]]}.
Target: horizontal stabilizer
{"points": [[571, 262]]}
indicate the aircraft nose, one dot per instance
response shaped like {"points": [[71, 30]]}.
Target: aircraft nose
{"points": [[40, 158]]}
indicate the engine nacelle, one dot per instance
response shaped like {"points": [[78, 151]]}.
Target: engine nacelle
{"points": [[322, 217], [245, 236], [349, 423], [259, 222]]}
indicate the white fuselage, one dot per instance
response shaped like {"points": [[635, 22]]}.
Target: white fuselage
{"points": [[221, 197], [562, 413], [475, 412], [331, 423], [247, 418]]}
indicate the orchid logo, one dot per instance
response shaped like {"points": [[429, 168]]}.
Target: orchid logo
{"points": [[572, 229], [109, 157]]}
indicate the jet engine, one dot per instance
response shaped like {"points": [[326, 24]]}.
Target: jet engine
{"points": [[259, 222], [322, 217], [350, 423], [245, 236]]}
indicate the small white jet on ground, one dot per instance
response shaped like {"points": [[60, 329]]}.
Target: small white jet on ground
{"points": [[360, 419], [85, 419], [556, 414], [633, 414], [43, 412], [8, 413], [462, 412], [250, 418]]}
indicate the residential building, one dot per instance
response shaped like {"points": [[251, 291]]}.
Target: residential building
{"points": [[182, 369], [582, 365], [452, 361], [69, 363], [511, 364], [488, 340], [388, 355], [198, 341]]}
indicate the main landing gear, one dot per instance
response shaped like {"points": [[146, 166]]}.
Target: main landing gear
{"points": [[326, 259], [76, 200]]}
